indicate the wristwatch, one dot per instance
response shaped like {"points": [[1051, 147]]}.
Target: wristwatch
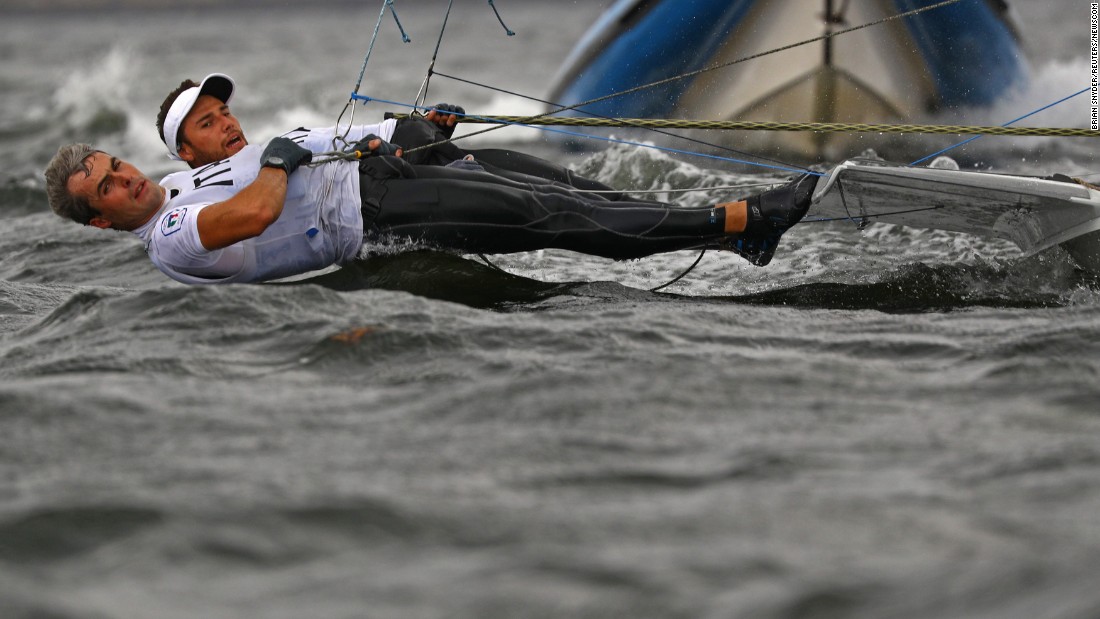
{"points": [[274, 161]]}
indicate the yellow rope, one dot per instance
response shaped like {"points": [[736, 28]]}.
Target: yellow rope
{"points": [[746, 125]]}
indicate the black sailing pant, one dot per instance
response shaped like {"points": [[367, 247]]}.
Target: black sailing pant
{"points": [[479, 212], [435, 149]]}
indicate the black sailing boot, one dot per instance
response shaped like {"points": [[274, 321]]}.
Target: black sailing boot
{"points": [[770, 215]]}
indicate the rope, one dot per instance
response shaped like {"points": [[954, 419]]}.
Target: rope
{"points": [[681, 275], [507, 30], [672, 281], [370, 48], [745, 125], [853, 218], [404, 37], [337, 136], [335, 155]]}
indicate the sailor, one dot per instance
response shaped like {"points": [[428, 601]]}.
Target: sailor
{"points": [[198, 128], [258, 216]]}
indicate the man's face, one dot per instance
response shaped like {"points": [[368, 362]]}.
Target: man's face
{"points": [[124, 197], [210, 132]]}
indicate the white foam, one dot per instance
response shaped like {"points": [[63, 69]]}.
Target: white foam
{"points": [[103, 84], [1054, 80]]}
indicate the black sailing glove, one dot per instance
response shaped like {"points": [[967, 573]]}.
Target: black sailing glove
{"points": [[285, 154], [447, 108], [443, 110], [384, 147]]}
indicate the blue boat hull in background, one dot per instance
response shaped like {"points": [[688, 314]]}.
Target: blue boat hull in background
{"points": [[957, 57]]}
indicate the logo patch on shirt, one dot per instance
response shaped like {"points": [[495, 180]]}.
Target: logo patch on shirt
{"points": [[173, 221]]}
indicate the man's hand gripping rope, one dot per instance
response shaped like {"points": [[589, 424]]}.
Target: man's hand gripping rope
{"points": [[370, 146]]}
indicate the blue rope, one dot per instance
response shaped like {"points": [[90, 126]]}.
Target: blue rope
{"points": [[969, 140], [404, 37], [507, 30], [364, 98], [370, 48], [374, 37]]}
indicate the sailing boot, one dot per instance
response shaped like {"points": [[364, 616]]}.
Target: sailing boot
{"points": [[770, 214]]}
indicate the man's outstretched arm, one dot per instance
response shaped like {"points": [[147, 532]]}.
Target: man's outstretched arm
{"points": [[258, 205]]}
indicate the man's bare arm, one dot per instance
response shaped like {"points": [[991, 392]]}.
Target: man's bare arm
{"points": [[246, 214], [258, 205]]}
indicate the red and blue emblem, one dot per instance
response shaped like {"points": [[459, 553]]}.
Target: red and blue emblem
{"points": [[173, 221]]}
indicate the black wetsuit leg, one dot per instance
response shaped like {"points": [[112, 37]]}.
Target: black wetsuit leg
{"points": [[478, 212], [500, 161], [414, 132]]}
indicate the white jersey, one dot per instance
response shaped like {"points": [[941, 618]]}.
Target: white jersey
{"points": [[321, 223], [318, 140]]}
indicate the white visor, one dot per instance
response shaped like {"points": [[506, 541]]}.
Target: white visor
{"points": [[216, 85]]}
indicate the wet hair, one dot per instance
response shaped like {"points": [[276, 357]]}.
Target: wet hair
{"points": [[167, 105], [68, 161]]}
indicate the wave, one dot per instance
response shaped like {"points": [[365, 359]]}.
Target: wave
{"points": [[925, 288], [59, 533], [99, 103], [19, 197]]}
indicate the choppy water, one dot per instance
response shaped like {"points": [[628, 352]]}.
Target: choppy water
{"points": [[887, 423]]}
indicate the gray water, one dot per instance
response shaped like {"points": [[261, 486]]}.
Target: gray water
{"points": [[882, 423]]}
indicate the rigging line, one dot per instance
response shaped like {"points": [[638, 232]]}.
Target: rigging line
{"points": [[864, 218], [853, 218], [751, 125], [652, 129], [362, 71], [404, 37], [422, 95], [847, 211], [702, 252], [723, 65], [967, 141], [618, 141], [681, 275], [507, 30], [489, 264], [370, 48]]}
